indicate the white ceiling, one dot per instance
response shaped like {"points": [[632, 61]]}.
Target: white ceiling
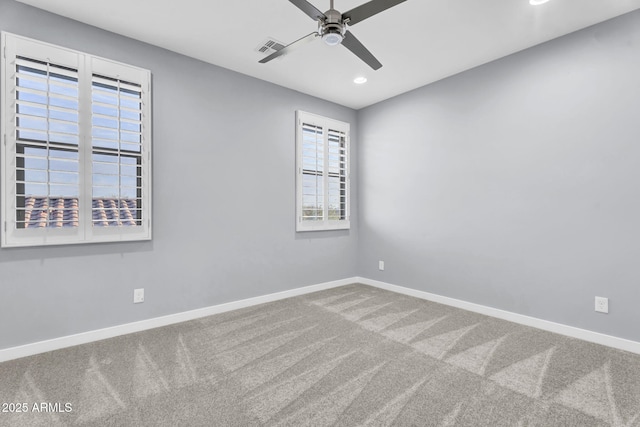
{"points": [[418, 41]]}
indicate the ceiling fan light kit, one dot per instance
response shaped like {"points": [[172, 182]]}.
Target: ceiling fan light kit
{"points": [[332, 28], [332, 39]]}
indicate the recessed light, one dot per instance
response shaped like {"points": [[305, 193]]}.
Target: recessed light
{"points": [[360, 80], [537, 2]]}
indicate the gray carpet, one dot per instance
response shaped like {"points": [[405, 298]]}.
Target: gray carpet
{"points": [[350, 356]]}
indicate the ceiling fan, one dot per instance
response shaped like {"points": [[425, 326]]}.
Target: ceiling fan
{"points": [[332, 28]]}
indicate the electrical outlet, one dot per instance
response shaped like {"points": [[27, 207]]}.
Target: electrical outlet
{"points": [[138, 295], [381, 265], [602, 304]]}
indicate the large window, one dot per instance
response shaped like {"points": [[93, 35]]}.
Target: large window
{"points": [[76, 152], [322, 173]]}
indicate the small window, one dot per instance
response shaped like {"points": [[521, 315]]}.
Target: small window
{"points": [[76, 154], [322, 173]]}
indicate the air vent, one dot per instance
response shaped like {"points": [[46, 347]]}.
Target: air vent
{"points": [[269, 46]]}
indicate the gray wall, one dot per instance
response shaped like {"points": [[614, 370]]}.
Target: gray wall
{"points": [[224, 201], [515, 185]]}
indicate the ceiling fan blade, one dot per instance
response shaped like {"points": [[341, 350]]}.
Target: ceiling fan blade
{"points": [[367, 10], [353, 44], [290, 47], [309, 9]]}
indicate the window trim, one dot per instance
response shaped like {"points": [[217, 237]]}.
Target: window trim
{"points": [[87, 66], [326, 124]]}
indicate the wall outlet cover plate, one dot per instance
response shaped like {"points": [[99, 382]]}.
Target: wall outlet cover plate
{"points": [[602, 305]]}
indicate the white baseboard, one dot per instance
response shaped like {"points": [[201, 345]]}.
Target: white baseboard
{"points": [[100, 334], [558, 328]]}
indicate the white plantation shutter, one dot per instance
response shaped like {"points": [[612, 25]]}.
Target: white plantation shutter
{"points": [[76, 150], [322, 173], [312, 173], [47, 136], [116, 154], [336, 175]]}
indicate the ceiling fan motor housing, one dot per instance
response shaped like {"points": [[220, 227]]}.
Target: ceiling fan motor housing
{"points": [[332, 28]]}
